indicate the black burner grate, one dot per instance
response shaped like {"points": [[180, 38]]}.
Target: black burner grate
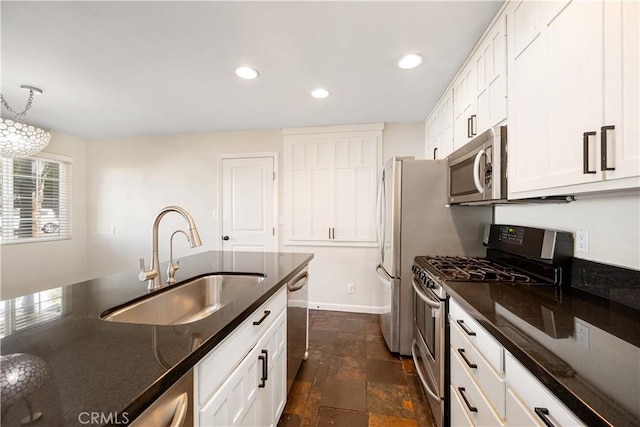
{"points": [[467, 269]]}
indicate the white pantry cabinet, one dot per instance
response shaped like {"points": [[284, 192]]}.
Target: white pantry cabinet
{"points": [[480, 90], [439, 128], [330, 185], [574, 85], [243, 380]]}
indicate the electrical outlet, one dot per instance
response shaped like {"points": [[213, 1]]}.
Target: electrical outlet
{"points": [[350, 288], [582, 335], [582, 241], [112, 230]]}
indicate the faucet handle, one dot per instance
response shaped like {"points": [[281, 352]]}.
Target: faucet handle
{"points": [[144, 274]]}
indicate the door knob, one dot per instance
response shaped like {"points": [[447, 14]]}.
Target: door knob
{"points": [[225, 237]]}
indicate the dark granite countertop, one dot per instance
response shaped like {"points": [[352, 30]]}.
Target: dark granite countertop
{"points": [[596, 376], [111, 368]]}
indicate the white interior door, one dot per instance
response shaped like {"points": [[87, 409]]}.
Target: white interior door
{"points": [[248, 217]]}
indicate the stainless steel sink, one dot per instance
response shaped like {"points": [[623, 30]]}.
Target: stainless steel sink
{"points": [[185, 302]]}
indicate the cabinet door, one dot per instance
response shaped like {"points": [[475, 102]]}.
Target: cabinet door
{"points": [[518, 414], [533, 394], [235, 402], [310, 199], [461, 129], [273, 395], [622, 89], [354, 187], [557, 93], [491, 77], [445, 118]]}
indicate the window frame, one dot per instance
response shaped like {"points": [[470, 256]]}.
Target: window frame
{"points": [[65, 205]]}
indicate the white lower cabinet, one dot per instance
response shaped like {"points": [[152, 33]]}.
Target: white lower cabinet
{"points": [[519, 413], [535, 397], [242, 382], [476, 404], [489, 387]]}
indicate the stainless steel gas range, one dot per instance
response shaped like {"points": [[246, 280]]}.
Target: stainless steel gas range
{"points": [[523, 256]]}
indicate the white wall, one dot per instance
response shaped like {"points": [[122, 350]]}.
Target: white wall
{"points": [[30, 267], [613, 223], [131, 179]]}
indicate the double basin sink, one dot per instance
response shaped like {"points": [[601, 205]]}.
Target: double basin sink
{"points": [[185, 302]]}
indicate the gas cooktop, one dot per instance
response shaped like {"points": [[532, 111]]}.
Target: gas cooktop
{"points": [[466, 269]]}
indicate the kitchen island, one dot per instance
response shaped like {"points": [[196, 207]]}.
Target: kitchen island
{"points": [[109, 371]]}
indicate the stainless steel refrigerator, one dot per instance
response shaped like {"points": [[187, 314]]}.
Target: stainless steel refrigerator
{"points": [[412, 220]]}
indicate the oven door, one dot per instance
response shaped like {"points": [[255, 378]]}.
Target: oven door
{"points": [[428, 346]]}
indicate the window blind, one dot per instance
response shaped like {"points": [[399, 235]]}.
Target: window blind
{"points": [[36, 199]]}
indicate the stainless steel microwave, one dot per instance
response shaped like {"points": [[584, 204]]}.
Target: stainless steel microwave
{"points": [[478, 170]]}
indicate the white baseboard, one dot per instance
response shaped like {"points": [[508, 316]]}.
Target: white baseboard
{"points": [[345, 307]]}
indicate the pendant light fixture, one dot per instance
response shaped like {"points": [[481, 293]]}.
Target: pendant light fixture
{"points": [[17, 138]]}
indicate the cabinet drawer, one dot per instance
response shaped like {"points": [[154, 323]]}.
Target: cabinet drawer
{"points": [[517, 412], [459, 417], [483, 340], [223, 359], [490, 381], [535, 395], [475, 402]]}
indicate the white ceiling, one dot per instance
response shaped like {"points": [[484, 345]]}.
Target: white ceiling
{"points": [[114, 69]]}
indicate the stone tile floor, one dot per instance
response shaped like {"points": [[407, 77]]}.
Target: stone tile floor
{"points": [[351, 379]]}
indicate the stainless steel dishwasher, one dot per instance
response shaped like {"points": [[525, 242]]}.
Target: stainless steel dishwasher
{"points": [[173, 409], [297, 324]]}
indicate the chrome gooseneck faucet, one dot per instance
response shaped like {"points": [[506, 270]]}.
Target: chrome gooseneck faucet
{"points": [[153, 275]]}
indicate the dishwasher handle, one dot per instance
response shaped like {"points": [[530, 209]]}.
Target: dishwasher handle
{"points": [[299, 282], [181, 411]]}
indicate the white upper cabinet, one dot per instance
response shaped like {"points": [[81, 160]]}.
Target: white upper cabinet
{"points": [[573, 87], [439, 128], [480, 90], [330, 185]]}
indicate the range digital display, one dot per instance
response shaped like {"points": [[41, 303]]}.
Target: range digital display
{"points": [[511, 235]]}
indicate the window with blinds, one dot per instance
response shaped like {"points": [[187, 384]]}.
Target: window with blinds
{"points": [[35, 199]]}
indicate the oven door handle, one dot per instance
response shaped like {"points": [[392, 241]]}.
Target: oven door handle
{"points": [[476, 171], [414, 347], [434, 304]]}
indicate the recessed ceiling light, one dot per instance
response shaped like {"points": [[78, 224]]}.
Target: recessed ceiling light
{"points": [[247, 73], [410, 61], [320, 93]]}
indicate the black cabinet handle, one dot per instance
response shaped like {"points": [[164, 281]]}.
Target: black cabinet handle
{"points": [[464, 357], [264, 316], [225, 237], [585, 152], [434, 153], [265, 368], [603, 148], [464, 328], [466, 401], [543, 413], [333, 233], [469, 127], [474, 119]]}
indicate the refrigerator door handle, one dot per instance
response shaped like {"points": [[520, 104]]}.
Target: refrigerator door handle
{"points": [[379, 213], [383, 276], [382, 215]]}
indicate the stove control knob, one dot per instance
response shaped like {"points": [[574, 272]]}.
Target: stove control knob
{"points": [[414, 269], [423, 277]]}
